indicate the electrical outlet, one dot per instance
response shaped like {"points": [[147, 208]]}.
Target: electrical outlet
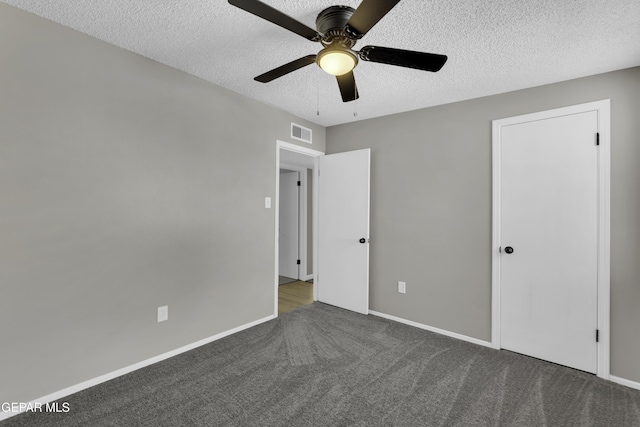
{"points": [[402, 287], [163, 313]]}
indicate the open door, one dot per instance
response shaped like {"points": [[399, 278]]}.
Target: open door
{"points": [[343, 230]]}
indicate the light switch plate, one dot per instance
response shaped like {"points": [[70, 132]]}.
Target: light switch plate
{"points": [[402, 287], [163, 313], [267, 202]]}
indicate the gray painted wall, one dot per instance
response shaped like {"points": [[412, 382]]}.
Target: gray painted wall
{"points": [[431, 207], [125, 185]]}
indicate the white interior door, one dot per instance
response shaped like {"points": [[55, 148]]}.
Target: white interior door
{"points": [[549, 239], [289, 227], [343, 230]]}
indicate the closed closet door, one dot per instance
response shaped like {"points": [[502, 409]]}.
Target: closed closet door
{"points": [[549, 239]]}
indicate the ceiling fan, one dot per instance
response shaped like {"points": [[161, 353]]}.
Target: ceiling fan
{"points": [[338, 30]]}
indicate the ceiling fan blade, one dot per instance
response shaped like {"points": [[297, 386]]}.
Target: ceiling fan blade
{"points": [[367, 15], [265, 11], [347, 85], [285, 69], [403, 58]]}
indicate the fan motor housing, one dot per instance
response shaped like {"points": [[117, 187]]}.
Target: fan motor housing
{"points": [[333, 19]]}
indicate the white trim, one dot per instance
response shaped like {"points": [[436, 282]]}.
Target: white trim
{"points": [[299, 149], [603, 323], [314, 218], [496, 237], [120, 372], [612, 378], [307, 152], [432, 329], [624, 382], [276, 234], [307, 277], [604, 237]]}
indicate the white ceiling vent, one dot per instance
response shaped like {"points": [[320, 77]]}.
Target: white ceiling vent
{"points": [[300, 133]]}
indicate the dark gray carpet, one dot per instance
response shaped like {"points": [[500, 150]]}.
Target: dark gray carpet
{"points": [[323, 366]]}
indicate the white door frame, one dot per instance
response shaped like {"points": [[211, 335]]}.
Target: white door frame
{"points": [[302, 218], [307, 152], [603, 110]]}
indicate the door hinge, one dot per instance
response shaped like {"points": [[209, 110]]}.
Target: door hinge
{"points": [[298, 183], [298, 262], [597, 138], [597, 335], [500, 249]]}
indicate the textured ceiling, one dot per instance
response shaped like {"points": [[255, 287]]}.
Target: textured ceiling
{"points": [[493, 46]]}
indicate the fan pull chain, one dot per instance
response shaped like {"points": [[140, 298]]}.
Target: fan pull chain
{"points": [[355, 101]]}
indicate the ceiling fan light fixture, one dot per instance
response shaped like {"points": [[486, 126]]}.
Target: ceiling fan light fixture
{"points": [[338, 29], [337, 61]]}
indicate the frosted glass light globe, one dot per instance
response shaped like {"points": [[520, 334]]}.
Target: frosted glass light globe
{"points": [[336, 61]]}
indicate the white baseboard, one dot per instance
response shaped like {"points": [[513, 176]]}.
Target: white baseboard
{"points": [[613, 378], [432, 329], [106, 377], [625, 382], [307, 277]]}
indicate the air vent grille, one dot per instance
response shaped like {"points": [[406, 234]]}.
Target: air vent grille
{"points": [[300, 133]]}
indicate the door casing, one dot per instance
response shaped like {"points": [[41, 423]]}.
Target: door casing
{"points": [[314, 154], [603, 112]]}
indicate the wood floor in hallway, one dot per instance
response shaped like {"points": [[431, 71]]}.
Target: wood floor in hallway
{"points": [[294, 295]]}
